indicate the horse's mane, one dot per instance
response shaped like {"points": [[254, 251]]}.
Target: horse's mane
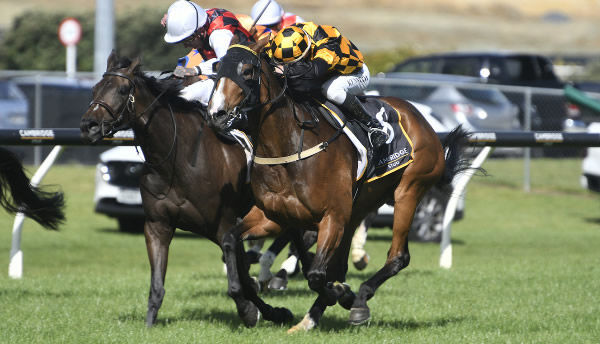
{"points": [[170, 86]]}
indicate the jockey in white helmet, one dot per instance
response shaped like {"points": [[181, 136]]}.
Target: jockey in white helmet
{"points": [[207, 31]]}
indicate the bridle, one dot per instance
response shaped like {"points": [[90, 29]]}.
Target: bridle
{"points": [[239, 54], [117, 123]]}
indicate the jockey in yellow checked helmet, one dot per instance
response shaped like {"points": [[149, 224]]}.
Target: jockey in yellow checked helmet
{"points": [[317, 57]]}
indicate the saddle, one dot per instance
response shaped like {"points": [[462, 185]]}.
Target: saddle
{"points": [[373, 164]]}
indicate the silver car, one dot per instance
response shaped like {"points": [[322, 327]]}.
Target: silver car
{"points": [[14, 107], [454, 99]]}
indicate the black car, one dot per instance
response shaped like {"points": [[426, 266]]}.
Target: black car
{"points": [[509, 69]]}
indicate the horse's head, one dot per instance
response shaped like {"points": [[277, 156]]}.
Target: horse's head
{"points": [[113, 101], [237, 89]]}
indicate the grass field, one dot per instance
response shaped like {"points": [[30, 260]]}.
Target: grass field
{"points": [[526, 270]]}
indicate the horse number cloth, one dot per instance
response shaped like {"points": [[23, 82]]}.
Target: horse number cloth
{"points": [[395, 154]]}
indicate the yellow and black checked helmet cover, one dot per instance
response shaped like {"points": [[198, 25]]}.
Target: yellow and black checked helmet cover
{"points": [[289, 44]]}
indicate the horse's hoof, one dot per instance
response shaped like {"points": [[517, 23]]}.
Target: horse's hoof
{"points": [[359, 316], [282, 315], [347, 298], [362, 263], [250, 315], [279, 281], [306, 324]]}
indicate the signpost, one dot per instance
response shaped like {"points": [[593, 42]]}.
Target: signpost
{"points": [[69, 33]]}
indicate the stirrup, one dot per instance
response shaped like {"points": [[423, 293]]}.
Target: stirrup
{"points": [[378, 137]]}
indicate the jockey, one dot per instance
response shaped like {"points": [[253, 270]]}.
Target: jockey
{"points": [[271, 17], [314, 57], [209, 32]]}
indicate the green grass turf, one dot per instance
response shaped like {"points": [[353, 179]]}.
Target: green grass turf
{"points": [[526, 270]]}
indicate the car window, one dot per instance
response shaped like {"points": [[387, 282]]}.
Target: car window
{"points": [[8, 91], [469, 66], [418, 66], [488, 96], [416, 93]]}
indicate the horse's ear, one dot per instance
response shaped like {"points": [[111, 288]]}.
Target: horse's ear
{"points": [[261, 43], [111, 62], [135, 63]]}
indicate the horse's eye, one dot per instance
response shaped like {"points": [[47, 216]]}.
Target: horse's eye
{"points": [[123, 89], [247, 73]]}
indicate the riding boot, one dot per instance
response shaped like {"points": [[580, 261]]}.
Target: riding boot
{"points": [[377, 135]]}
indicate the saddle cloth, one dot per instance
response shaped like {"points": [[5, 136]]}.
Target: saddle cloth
{"points": [[394, 155]]}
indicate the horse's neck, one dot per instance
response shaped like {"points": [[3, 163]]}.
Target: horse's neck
{"points": [[279, 133], [154, 130]]}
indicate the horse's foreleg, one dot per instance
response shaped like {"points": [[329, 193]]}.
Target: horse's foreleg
{"points": [[312, 318], [241, 285], [158, 237], [233, 253], [329, 238]]}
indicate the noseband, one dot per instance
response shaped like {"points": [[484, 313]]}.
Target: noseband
{"points": [[129, 105]]}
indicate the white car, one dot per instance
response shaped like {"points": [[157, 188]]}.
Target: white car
{"points": [[117, 191], [590, 177]]}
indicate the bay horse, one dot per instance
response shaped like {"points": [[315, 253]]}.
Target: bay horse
{"points": [[193, 180], [315, 192], [18, 195]]}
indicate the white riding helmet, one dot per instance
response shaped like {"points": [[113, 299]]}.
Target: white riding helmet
{"points": [[183, 19], [271, 15]]}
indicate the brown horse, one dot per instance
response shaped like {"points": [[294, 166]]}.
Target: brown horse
{"points": [[194, 180], [316, 192], [18, 195]]}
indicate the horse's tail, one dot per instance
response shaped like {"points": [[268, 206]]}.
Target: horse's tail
{"points": [[18, 195], [454, 148]]}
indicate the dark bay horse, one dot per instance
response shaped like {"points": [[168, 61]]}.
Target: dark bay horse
{"points": [[316, 192], [18, 195], [194, 180]]}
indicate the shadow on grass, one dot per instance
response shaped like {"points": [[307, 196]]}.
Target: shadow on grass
{"points": [[338, 324], [328, 324], [229, 319], [594, 220]]}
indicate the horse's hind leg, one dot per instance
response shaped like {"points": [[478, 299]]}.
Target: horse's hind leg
{"points": [[158, 237], [406, 197]]}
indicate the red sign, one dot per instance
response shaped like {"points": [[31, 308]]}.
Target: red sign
{"points": [[69, 31]]}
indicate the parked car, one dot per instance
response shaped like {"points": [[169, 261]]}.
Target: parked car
{"points": [[117, 192], [590, 166], [117, 187], [504, 68], [14, 107]]}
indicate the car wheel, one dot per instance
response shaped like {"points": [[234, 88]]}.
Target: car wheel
{"points": [[428, 221], [131, 225]]}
